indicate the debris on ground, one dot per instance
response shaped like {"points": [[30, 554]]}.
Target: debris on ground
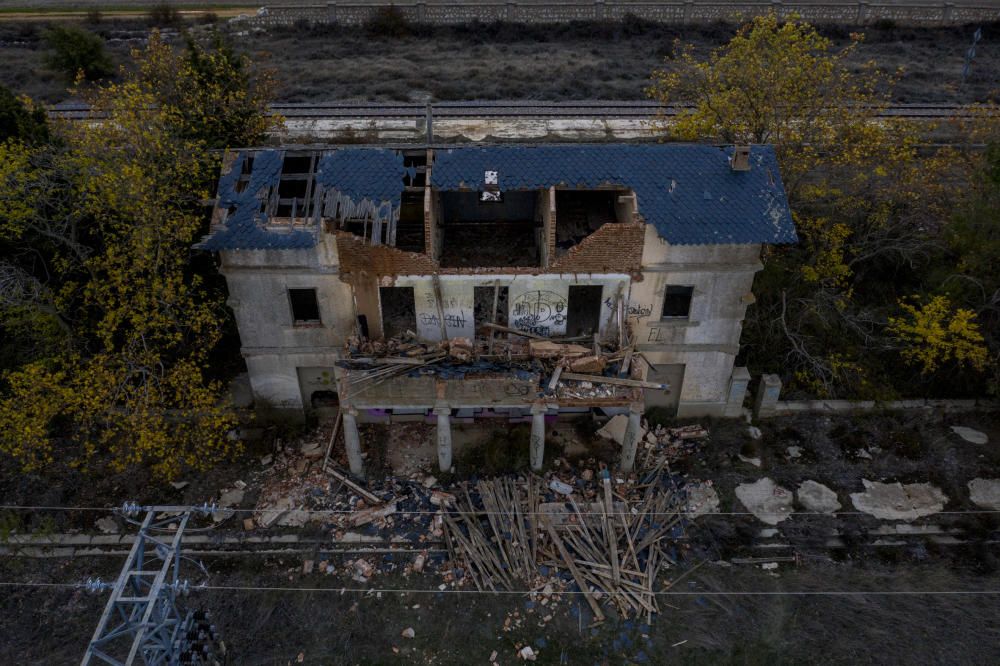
{"points": [[895, 501], [815, 497], [970, 435], [985, 493], [702, 500], [615, 428], [107, 525], [767, 501], [408, 633], [527, 654], [502, 534]]}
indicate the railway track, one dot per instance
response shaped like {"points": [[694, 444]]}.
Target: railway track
{"points": [[768, 544], [597, 109]]}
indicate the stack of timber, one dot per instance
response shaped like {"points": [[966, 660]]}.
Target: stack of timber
{"points": [[504, 536]]}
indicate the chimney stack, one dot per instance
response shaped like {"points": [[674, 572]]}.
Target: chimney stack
{"points": [[740, 161]]}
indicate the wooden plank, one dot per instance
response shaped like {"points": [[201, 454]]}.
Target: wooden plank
{"points": [[554, 382], [617, 381], [513, 331], [439, 301], [580, 581], [333, 437], [332, 471], [609, 531]]}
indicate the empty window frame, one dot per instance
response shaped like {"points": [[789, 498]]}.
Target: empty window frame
{"points": [[399, 310], [305, 307], [677, 302], [484, 300]]}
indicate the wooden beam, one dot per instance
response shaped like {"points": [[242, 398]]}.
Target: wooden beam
{"points": [[617, 381], [440, 307], [571, 565]]}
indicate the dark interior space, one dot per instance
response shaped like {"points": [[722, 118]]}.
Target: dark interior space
{"points": [[583, 316], [399, 311], [324, 399], [305, 308], [677, 302], [418, 161], [293, 186], [488, 234], [484, 298], [580, 213], [410, 227]]}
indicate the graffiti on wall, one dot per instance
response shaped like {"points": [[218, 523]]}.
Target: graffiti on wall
{"points": [[538, 312], [637, 310], [451, 319]]}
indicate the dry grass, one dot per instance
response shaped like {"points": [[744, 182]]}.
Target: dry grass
{"points": [[572, 61]]}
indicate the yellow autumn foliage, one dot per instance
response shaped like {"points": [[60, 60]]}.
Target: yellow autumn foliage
{"points": [[936, 333], [133, 388]]}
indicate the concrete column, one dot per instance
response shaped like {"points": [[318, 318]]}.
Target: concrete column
{"points": [[768, 392], [444, 437], [537, 450], [738, 384], [352, 442], [630, 442]]}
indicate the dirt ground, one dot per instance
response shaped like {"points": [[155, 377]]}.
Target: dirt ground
{"points": [[714, 622], [507, 62], [711, 619]]}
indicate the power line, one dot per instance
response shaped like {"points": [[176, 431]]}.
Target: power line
{"points": [[429, 512]]}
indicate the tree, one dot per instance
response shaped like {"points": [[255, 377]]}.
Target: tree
{"points": [[935, 333], [21, 120], [75, 51], [132, 382], [868, 207]]}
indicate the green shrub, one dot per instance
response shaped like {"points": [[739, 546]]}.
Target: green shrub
{"points": [[73, 50]]}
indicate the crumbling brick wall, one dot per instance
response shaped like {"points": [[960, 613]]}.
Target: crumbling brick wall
{"points": [[614, 248], [358, 256]]}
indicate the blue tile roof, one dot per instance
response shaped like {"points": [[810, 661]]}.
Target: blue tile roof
{"points": [[687, 192], [245, 224], [362, 183]]}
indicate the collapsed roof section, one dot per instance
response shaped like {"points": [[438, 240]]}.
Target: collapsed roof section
{"points": [[689, 193], [355, 184]]}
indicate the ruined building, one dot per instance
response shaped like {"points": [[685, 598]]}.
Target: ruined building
{"points": [[509, 282]]}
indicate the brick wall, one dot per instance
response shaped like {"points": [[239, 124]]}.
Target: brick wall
{"points": [[614, 248], [357, 256]]}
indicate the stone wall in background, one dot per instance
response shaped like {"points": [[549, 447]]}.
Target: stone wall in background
{"points": [[357, 12]]}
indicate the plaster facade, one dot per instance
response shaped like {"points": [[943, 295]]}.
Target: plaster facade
{"points": [[290, 362]]}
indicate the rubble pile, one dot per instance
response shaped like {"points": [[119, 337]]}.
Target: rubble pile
{"points": [[562, 368], [606, 538], [577, 529]]}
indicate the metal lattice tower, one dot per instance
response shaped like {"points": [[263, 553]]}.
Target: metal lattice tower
{"points": [[141, 623]]}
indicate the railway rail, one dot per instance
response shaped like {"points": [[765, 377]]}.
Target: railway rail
{"points": [[233, 543], [596, 109]]}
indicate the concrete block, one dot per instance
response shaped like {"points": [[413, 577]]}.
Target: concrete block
{"points": [[766, 400]]}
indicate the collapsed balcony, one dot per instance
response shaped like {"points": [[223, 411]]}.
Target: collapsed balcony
{"points": [[505, 369]]}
